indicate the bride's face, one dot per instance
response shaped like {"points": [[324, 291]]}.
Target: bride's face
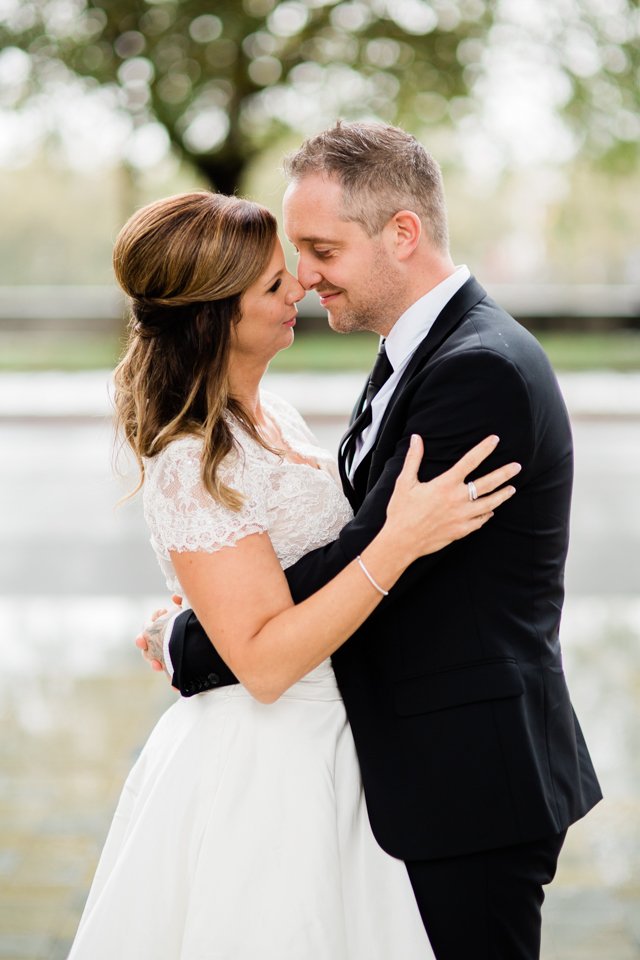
{"points": [[268, 311]]}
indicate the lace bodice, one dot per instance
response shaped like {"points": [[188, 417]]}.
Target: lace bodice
{"points": [[299, 506]]}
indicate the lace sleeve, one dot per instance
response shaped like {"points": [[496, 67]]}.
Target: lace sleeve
{"points": [[184, 517]]}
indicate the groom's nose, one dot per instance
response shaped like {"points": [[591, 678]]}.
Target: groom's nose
{"points": [[308, 276]]}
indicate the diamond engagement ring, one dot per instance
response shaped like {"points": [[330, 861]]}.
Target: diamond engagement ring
{"points": [[473, 490]]}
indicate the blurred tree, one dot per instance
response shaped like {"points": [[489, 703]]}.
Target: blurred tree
{"points": [[225, 79], [588, 52], [600, 54]]}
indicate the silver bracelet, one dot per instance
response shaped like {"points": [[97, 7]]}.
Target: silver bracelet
{"points": [[385, 593]]}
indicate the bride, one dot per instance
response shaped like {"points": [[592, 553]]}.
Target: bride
{"points": [[241, 832]]}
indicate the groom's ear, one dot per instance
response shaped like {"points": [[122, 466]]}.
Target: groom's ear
{"points": [[407, 231]]}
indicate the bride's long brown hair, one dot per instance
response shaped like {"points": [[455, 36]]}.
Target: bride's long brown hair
{"points": [[185, 262]]}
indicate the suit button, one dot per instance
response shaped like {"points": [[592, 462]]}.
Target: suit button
{"points": [[213, 679], [188, 689]]}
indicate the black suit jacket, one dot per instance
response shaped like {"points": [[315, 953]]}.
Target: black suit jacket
{"points": [[454, 687]]}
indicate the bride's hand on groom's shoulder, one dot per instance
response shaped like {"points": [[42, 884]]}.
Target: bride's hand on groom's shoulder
{"points": [[151, 640], [448, 507]]}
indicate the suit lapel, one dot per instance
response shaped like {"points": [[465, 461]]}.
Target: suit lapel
{"points": [[342, 460], [353, 425], [449, 318], [357, 410]]}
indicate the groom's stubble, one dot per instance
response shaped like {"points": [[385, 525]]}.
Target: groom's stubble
{"points": [[375, 306]]}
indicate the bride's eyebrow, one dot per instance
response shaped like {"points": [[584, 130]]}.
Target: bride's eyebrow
{"points": [[269, 283]]}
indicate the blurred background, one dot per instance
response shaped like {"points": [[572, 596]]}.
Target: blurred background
{"points": [[532, 108]]}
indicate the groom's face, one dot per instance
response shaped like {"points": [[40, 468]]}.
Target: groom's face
{"points": [[354, 274]]}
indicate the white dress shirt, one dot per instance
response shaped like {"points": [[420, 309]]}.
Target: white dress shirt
{"points": [[405, 336]]}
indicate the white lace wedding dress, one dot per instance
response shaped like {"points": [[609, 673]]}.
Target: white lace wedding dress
{"points": [[242, 831]]}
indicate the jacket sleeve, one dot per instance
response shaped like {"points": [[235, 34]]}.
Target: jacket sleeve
{"points": [[197, 665]]}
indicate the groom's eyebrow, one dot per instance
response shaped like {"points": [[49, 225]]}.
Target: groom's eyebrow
{"points": [[319, 240]]}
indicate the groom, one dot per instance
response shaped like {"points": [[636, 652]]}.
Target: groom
{"points": [[472, 759]]}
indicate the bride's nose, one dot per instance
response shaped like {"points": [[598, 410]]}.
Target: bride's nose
{"points": [[296, 291]]}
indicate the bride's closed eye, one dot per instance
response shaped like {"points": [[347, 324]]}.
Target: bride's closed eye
{"points": [[275, 286]]}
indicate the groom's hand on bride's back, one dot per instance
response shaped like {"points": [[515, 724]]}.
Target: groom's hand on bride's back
{"points": [[151, 640]]}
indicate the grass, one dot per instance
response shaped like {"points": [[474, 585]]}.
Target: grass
{"points": [[616, 350], [321, 352], [72, 352], [328, 351]]}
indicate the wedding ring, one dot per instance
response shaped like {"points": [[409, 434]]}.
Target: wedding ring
{"points": [[473, 490]]}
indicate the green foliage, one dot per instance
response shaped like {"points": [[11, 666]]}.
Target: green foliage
{"points": [[225, 79], [595, 45]]}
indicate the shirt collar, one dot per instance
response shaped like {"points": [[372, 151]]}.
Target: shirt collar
{"points": [[416, 322]]}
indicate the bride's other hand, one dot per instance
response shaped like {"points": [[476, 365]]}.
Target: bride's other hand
{"points": [[151, 641], [432, 515]]}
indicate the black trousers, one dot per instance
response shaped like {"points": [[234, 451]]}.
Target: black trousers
{"points": [[486, 906]]}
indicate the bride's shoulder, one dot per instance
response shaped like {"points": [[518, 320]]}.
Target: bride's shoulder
{"points": [[181, 450], [180, 509], [179, 463]]}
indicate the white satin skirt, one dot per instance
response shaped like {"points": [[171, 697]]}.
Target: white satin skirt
{"points": [[242, 834]]}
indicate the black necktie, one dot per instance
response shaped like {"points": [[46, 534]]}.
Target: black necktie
{"points": [[380, 373]]}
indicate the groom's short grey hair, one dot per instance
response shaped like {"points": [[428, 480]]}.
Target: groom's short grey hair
{"points": [[382, 170]]}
